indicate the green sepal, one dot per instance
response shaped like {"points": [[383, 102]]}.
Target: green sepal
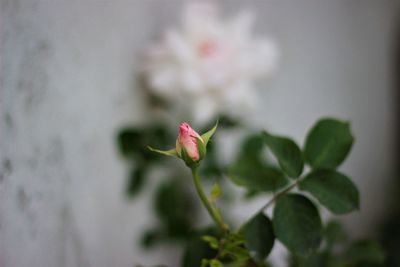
{"points": [[187, 159], [171, 152], [207, 135], [201, 147]]}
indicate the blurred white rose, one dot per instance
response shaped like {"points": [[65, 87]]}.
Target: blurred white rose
{"points": [[209, 66]]}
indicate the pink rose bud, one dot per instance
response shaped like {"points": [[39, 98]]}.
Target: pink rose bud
{"points": [[188, 139]]}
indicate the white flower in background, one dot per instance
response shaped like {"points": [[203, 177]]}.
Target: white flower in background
{"points": [[209, 66]]}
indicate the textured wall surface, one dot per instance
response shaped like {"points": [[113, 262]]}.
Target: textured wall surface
{"points": [[66, 86]]}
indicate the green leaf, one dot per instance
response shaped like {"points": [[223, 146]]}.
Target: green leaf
{"points": [[171, 152], [255, 176], [132, 142], [233, 248], [159, 135], [151, 238], [135, 182], [250, 169], [207, 136], [365, 253], [328, 143], [335, 233], [297, 224], [212, 241], [259, 237], [289, 155], [196, 249], [251, 148], [333, 190], [235, 239], [215, 192], [129, 141], [215, 263], [238, 253], [228, 122], [321, 259], [210, 165], [175, 208], [251, 193]]}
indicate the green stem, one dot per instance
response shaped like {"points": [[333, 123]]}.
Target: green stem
{"points": [[273, 199], [280, 194], [211, 210]]}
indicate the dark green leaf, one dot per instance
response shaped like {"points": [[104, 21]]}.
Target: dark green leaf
{"points": [[333, 190], [251, 148], [228, 122], [174, 207], [322, 259], [156, 136], [210, 166], [251, 193], [365, 253], [297, 224], [289, 155], [259, 237], [196, 249], [133, 142], [130, 140], [335, 233], [151, 237], [135, 182], [224, 122], [251, 170], [328, 143], [255, 176]]}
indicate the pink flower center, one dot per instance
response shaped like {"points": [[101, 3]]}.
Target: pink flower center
{"points": [[207, 49]]}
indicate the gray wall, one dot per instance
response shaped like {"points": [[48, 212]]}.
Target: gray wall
{"points": [[66, 70]]}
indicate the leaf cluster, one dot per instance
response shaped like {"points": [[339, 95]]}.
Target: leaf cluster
{"points": [[296, 220]]}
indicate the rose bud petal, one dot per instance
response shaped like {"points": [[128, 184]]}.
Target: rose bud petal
{"points": [[188, 139]]}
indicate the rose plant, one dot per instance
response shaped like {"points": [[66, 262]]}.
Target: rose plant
{"points": [[296, 220]]}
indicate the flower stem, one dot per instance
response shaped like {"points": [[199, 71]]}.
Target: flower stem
{"points": [[215, 215], [278, 195]]}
